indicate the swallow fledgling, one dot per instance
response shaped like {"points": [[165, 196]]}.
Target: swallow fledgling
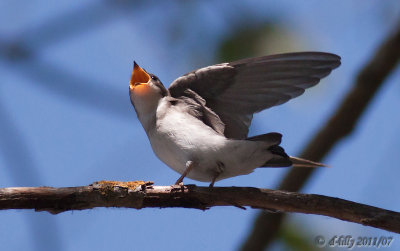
{"points": [[199, 125]]}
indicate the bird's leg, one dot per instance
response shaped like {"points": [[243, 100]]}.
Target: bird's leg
{"points": [[189, 166], [213, 181], [220, 169]]}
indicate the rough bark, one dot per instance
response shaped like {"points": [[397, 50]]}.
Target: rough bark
{"points": [[140, 194]]}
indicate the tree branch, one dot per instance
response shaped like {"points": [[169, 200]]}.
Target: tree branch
{"points": [[140, 194], [341, 124]]}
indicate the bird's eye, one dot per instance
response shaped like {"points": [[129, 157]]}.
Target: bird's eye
{"points": [[154, 77]]}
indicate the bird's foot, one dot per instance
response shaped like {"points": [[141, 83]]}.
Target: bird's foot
{"points": [[179, 184], [212, 184], [220, 169], [213, 180], [180, 181]]}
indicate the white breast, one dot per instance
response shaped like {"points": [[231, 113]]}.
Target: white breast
{"points": [[180, 137]]}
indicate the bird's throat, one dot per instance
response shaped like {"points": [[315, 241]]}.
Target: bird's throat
{"points": [[146, 112]]}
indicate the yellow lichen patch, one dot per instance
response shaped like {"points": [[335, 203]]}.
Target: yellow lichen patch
{"points": [[105, 185]]}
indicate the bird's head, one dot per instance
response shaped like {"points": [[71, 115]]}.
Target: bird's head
{"points": [[145, 91]]}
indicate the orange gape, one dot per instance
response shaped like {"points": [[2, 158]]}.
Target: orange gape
{"points": [[141, 89], [139, 80]]}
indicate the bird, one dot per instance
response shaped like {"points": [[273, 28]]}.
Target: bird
{"points": [[199, 125]]}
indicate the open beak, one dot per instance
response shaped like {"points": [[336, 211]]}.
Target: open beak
{"points": [[139, 77]]}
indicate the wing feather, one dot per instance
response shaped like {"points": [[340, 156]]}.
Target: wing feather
{"points": [[235, 91]]}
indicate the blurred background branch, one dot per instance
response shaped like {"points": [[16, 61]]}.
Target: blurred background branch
{"points": [[22, 52], [341, 124], [66, 119]]}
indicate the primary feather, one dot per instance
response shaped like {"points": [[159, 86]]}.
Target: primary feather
{"points": [[237, 90]]}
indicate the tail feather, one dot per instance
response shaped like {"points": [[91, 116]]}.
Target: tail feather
{"points": [[282, 161], [299, 162], [280, 158]]}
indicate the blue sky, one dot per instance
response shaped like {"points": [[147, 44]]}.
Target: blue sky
{"points": [[66, 118]]}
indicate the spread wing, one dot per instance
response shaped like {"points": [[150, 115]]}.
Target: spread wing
{"points": [[235, 91]]}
